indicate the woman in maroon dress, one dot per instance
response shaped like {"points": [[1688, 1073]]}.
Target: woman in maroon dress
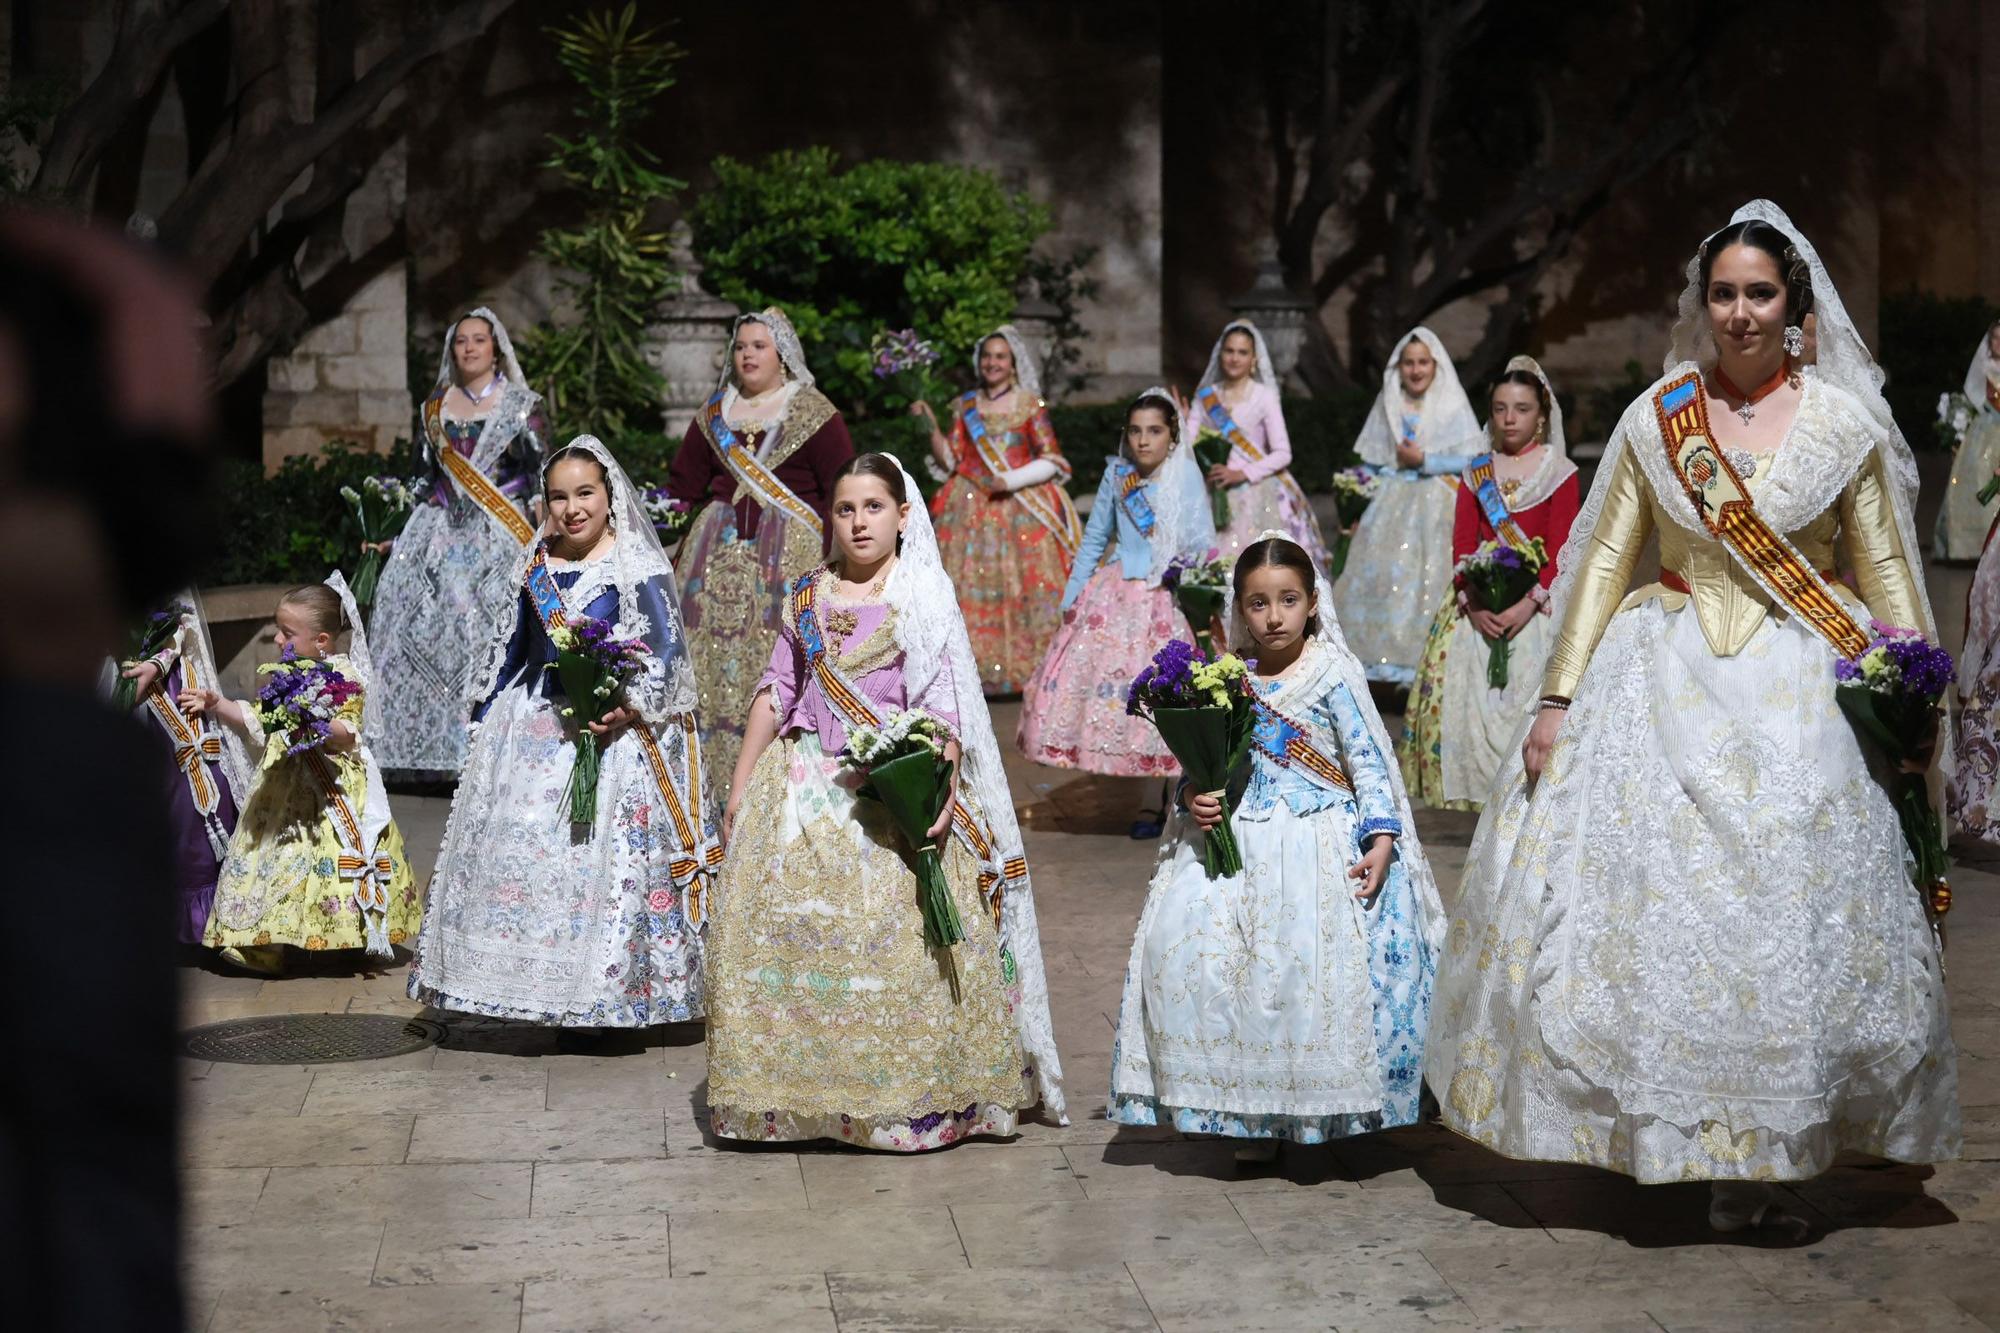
{"points": [[758, 462]]}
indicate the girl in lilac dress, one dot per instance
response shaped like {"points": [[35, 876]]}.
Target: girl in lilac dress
{"points": [[209, 770], [830, 1015]]}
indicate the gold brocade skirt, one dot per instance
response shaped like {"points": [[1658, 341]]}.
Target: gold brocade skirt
{"points": [[828, 1015]]}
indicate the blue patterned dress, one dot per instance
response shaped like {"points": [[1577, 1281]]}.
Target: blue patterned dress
{"points": [[1272, 1004]]}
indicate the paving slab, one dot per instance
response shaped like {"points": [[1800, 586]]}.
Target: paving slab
{"points": [[738, 1303]]}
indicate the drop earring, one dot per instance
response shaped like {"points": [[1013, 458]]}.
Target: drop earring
{"points": [[1795, 341]]}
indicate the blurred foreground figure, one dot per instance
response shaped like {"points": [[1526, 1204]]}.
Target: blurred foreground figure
{"points": [[104, 423]]}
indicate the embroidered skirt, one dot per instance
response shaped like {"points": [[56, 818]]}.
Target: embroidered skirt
{"points": [[1276, 502], [1459, 732], [1962, 521], [1694, 952], [1073, 711], [1398, 570], [1009, 570], [1272, 1004], [829, 1017]]}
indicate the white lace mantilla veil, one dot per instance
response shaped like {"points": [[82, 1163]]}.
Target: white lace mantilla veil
{"points": [[636, 557], [1555, 468], [1982, 367], [503, 351], [1027, 372], [1178, 490], [375, 816], [1843, 361], [1264, 371], [930, 629], [517, 399], [238, 769], [1409, 847], [1447, 416]]}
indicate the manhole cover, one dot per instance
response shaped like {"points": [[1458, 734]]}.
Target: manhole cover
{"points": [[309, 1039]]}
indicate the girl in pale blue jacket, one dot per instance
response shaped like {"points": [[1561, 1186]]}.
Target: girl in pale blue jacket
{"points": [[1151, 511]]}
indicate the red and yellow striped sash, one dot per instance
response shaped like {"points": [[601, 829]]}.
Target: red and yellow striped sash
{"points": [[476, 485]]}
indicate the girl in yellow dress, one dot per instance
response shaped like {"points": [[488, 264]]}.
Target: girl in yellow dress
{"points": [[316, 861]]}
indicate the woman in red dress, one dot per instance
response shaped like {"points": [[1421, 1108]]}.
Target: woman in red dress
{"points": [[1005, 526]]}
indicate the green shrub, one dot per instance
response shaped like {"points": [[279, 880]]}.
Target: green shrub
{"points": [[879, 245], [1926, 342], [292, 526]]}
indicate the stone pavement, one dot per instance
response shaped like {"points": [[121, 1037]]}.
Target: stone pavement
{"points": [[494, 1183]]}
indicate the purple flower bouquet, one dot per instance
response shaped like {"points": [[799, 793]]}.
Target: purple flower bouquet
{"points": [[594, 666], [1890, 692], [670, 517], [299, 700], [1498, 575], [1203, 712]]}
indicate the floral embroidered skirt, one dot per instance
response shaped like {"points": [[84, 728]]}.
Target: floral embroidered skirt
{"points": [[1276, 502], [530, 920], [1694, 952], [1073, 710], [1009, 570], [1973, 798], [1458, 732], [281, 882], [451, 569], [1272, 1004], [1398, 570], [733, 599], [829, 1017]]}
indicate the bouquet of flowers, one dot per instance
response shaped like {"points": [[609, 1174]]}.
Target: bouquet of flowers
{"points": [[1199, 590], [1203, 711], [594, 667], [380, 508], [1212, 449], [902, 362], [1890, 692], [1954, 413], [904, 764], [670, 517], [299, 700], [1497, 575], [1353, 491], [151, 635]]}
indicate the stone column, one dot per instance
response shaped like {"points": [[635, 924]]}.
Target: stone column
{"points": [[1278, 311], [685, 343]]}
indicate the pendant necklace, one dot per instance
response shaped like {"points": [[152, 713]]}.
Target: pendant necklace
{"points": [[1757, 395]]}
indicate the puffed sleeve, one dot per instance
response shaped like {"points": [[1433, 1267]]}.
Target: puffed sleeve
{"points": [[1042, 435], [1873, 547], [1367, 767], [784, 673], [1464, 525], [1277, 440], [1604, 574], [691, 476], [1096, 538], [668, 662]]}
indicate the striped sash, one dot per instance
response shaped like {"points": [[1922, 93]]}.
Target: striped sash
{"points": [[1292, 745], [1486, 489], [1044, 500], [752, 475], [547, 599], [855, 711], [1723, 504], [475, 485]]}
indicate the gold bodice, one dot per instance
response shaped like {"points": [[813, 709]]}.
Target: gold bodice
{"points": [[1859, 528]]}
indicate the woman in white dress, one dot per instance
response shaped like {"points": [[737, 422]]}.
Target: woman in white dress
{"points": [[479, 444], [1962, 521], [1419, 437], [1687, 945], [532, 917]]}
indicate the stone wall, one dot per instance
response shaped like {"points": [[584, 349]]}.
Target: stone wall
{"points": [[348, 379]]}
